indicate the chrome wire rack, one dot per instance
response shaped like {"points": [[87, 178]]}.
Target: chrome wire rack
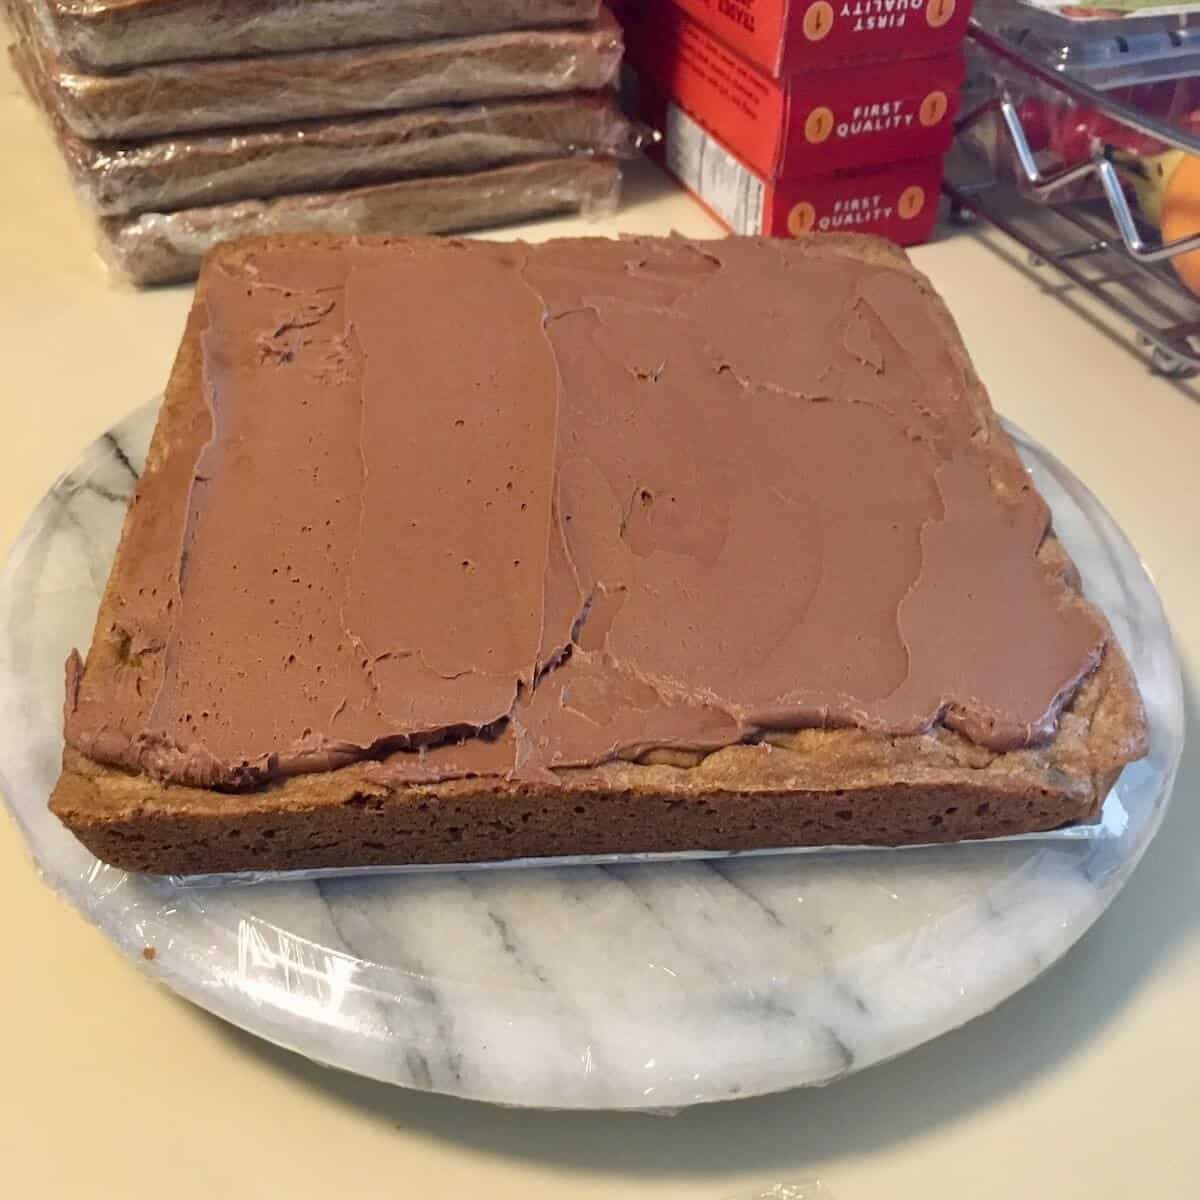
{"points": [[1100, 245]]}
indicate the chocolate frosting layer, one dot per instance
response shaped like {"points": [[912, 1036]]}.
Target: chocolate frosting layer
{"points": [[477, 509]]}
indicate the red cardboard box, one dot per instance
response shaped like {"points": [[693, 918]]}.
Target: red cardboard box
{"points": [[814, 121], [785, 36], [897, 201]]}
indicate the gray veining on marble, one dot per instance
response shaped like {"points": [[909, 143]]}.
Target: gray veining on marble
{"points": [[648, 985]]}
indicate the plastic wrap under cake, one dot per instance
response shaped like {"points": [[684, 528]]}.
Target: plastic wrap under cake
{"points": [[167, 247], [107, 35], [221, 93], [215, 168]]}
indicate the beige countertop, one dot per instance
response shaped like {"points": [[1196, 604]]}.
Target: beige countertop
{"points": [[1087, 1084]]}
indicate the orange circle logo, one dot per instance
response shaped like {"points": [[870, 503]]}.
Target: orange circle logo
{"points": [[933, 109], [912, 200], [801, 219], [818, 125], [818, 21], [938, 12]]}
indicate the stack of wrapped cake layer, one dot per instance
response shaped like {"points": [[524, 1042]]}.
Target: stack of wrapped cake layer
{"points": [[187, 122]]}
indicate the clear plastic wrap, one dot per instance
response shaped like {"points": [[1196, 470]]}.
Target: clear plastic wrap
{"points": [[106, 35], [167, 247], [187, 170], [631, 986], [180, 97], [1061, 134], [1104, 47]]}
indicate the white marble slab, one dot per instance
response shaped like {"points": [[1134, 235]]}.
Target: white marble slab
{"points": [[631, 986]]}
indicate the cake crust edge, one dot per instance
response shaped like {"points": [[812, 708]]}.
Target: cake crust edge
{"points": [[813, 787]]}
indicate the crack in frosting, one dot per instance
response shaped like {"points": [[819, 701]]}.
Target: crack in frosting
{"points": [[477, 509]]}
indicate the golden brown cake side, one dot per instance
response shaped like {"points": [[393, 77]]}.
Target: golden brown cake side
{"points": [[813, 788]]}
